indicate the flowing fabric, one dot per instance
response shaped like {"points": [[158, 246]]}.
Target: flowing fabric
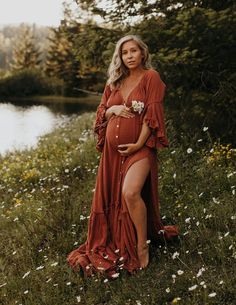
{"points": [[111, 242]]}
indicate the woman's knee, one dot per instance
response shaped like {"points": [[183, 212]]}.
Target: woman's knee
{"points": [[131, 196]]}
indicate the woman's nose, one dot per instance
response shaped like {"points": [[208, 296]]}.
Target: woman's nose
{"points": [[129, 55]]}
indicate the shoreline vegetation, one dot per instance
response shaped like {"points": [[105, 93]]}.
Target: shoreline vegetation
{"points": [[89, 99], [46, 195]]}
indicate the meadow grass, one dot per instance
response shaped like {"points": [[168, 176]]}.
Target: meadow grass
{"points": [[46, 196]]}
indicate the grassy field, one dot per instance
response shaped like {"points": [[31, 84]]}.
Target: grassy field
{"points": [[45, 202]]}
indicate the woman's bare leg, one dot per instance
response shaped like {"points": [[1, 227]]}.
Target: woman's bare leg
{"points": [[133, 184]]}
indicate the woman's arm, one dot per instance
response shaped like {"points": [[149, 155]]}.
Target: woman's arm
{"points": [[132, 147]]}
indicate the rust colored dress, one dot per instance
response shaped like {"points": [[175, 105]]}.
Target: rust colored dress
{"points": [[112, 242]]}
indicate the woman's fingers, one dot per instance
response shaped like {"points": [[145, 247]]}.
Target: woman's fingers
{"points": [[127, 114]]}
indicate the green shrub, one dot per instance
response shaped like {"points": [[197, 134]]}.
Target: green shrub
{"points": [[30, 82]]}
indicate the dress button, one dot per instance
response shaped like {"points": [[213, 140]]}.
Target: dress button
{"points": [[116, 136], [117, 125]]}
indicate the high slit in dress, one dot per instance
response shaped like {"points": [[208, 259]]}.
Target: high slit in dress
{"points": [[111, 242]]}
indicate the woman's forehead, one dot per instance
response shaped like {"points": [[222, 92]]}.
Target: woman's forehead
{"points": [[129, 44]]}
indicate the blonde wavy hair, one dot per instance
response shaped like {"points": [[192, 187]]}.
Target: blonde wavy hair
{"points": [[117, 71]]}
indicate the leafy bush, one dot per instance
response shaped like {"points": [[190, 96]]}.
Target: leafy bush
{"points": [[30, 82]]}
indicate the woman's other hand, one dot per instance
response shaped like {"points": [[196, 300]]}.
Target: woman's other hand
{"points": [[127, 149]]}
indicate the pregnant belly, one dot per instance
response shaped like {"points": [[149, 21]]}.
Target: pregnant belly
{"points": [[122, 131]]}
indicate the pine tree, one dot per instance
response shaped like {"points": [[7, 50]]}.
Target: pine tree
{"points": [[61, 61], [25, 54]]}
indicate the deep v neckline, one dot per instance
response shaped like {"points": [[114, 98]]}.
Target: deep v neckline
{"points": [[132, 90]]}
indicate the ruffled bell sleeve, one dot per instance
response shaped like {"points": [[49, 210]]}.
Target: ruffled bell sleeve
{"points": [[100, 121], [153, 114]]}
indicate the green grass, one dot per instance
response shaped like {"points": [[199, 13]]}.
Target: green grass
{"points": [[45, 201]]}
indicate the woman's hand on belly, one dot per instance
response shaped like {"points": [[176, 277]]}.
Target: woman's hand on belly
{"points": [[121, 110], [127, 149]]}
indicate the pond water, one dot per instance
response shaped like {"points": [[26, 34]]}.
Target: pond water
{"points": [[21, 127]]}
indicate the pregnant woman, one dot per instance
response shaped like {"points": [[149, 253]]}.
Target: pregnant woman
{"points": [[125, 212]]}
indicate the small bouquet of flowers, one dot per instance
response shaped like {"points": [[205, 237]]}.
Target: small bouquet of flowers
{"points": [[137, 106]]}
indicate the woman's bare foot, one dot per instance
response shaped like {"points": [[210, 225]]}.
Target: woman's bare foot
{"points": [[143, 255]]}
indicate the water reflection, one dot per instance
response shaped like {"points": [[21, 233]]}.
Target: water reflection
{"points": [[21, 127], [59, 107]]}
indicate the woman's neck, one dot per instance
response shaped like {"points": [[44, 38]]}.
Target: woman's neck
{"points": [[133, 73]]}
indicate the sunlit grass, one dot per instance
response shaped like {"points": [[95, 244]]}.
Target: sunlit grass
{"points": [[45, 202]]}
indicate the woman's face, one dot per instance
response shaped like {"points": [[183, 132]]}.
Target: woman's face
{"points": [[131, 54]]}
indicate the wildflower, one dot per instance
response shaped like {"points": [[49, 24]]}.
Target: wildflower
{"points": [[180, 272], [100, 268], [187, 220], [67, 170], [176, 254], [26, 274], [175, 300], [189, 150], [78, 298], [174, 176], [138, 302], [199, 140], [205, 128], [200, 271], [221, 282], [168, 290], [202, 283], [212, 295], [105, 281], [137, 106], [26, 291], [68, 283], [115, 275], [226, 234], [173, 152], [40, 267], [192, 288]]}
